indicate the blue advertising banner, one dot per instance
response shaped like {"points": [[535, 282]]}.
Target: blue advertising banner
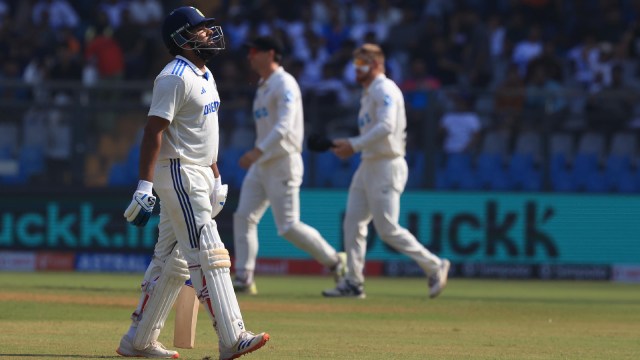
{"points": [[491, 228], [524, 228]]}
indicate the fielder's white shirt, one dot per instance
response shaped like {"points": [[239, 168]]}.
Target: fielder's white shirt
{"points": [[277, 112], [189, 99], [382, 121]]}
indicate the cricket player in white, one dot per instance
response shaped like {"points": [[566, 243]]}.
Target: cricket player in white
{"points": [[275, 169], [380, 179], [178, 158]]}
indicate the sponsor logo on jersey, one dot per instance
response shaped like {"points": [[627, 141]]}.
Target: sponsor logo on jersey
{"points": [[203, 91], [288, 96], [364, 120], [260, 113], [387, 100], [211, 107]]}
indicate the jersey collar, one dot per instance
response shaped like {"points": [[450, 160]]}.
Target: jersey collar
{"points": [[377, 79], [195, 68], [279, 70]]}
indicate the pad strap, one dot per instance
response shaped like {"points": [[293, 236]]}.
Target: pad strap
{"points": [[215, 259]]}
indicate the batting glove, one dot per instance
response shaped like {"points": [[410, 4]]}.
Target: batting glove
{"points": [[141, 207], [218, 197]]}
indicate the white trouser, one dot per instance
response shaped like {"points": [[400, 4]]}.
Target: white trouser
{"points": [[277, 183], [185, 219], [375, 194]]}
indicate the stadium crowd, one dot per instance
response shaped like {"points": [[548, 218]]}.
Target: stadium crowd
{"points": [[503, 76]]}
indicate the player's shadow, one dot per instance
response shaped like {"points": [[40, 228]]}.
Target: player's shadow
{"points": [[53, 356]]}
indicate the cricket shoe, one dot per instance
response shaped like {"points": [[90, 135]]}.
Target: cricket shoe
{"points": [[156, 350], [247, 343], [438, 280], [242, 287], [339, 270], [346, 289]]}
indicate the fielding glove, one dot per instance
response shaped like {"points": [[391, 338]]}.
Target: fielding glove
{"points": [[139, 211], [218, 197]]}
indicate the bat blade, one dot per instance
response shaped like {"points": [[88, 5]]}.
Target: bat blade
{"points": [[184, 335]]}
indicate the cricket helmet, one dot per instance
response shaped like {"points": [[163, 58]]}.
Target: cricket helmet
{"points": [[177, 31]]}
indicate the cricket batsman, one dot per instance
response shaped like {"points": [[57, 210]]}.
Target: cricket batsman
{"points": [[178, 159]]}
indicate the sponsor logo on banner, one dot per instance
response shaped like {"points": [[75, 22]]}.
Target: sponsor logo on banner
{"points": [[55, 261], [112, 262], [17, 261], [306, 267], [626, 273], [74, 226], [511, 271], [574, 272]]}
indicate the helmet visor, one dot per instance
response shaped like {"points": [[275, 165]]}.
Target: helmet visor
{"points": [[214, 40]]}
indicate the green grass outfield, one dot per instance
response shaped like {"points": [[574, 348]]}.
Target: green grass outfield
{"points": [[82, 316]]}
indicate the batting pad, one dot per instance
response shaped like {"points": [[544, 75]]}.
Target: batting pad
{"points": [[215, 263], [174, 273]]}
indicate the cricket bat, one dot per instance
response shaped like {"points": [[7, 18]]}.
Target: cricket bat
{"points": [[184, 335]]}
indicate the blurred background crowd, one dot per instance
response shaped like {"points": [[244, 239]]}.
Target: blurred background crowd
{"points": [[535, 95]]}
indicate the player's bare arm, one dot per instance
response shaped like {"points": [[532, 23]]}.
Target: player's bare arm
{"points": [[343, 148], [150, 147], [216, 172], [250, 157]]}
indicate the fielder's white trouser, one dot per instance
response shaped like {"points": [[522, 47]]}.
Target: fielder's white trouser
{"points": [[375, 194], [185, 222], [276, 183]]}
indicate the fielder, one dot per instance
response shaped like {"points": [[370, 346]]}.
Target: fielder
{"points": [[178, 159], [275, 169], [380, 179]]}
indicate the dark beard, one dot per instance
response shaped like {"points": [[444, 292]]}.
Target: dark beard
{"points": [[206, 54]]}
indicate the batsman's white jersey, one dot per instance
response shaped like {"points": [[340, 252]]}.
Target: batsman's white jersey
{"points": [[182, 91], [378, 183], [276, 177], [183, 180]]}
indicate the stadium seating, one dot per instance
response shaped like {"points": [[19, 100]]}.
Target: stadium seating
{"points": [[586, 173], [31, 160], [229, 168], [490, 164], [561, 153], [622, 155], [523, 174], [619, 174], [326, 164], [133, 160], [343, 172], [523, 171], [490, 173], [119, 175], [457, 173], [561, 179], [417, 168], [306, 161]]}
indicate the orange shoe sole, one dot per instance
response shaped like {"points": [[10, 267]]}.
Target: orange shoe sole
{"points": [[264, 340]]}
